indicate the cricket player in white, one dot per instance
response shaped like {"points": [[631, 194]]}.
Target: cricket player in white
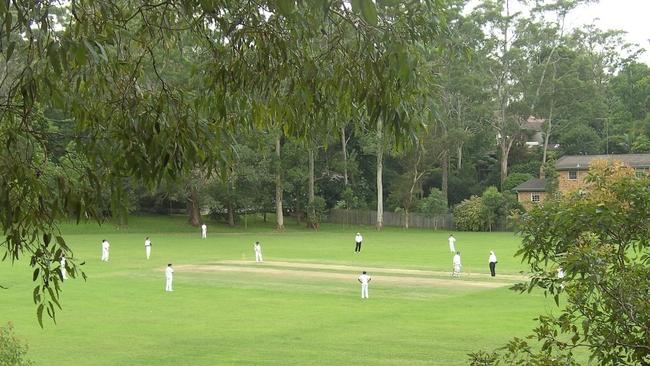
{"points": [[357, 240], [493, 263], [258, 252], [452, 243], [147, 247], [457, 265], [105, 249], [204, 231], [169, 277], [64, 272], [364, 279]]}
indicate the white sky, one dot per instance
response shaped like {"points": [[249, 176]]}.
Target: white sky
{"points": [[631, 16]]}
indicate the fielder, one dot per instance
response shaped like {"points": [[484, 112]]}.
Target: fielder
{"points": [[169, 277], [258, 252], [147, 247], [452, 243], [457, 265], [493, 263], [204, 231], [105, 250], [364, 279], [358, 239], [64, 272]]}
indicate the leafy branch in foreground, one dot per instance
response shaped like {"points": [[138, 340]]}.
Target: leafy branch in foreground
{"points": [[598, 238]]}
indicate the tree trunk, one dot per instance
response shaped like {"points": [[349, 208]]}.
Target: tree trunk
{"points": [[298, 212], [193, 211], [231, 215], [445, 174], [460, 157], [547, 136], [380, 170], [406, 219], [506, 145], [278, 188], [344, 146], [310, 197]]}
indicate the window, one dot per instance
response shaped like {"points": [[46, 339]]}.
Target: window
{"points": [[573, 174], [534, 197], [640, 173]]}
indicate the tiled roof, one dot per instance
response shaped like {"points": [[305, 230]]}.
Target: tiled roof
{"points": [[581, 162], [532, 185]]}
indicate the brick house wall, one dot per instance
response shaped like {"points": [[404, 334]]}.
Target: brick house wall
{"points": [[568, 185], [526, 198]]}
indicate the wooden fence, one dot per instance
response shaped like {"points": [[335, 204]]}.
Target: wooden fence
{"points": [[363, 217]]}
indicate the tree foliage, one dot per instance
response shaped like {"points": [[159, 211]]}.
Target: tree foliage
{"points": [[599, 238], [12, 350], [155, 91]]}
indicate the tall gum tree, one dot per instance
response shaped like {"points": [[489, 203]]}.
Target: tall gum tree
{"points": [[104, 70]]}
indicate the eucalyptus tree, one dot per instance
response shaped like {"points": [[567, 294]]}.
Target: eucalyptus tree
{"points": [[103, 67]]}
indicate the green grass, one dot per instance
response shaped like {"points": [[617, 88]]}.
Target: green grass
{"points": [[122, 316]]}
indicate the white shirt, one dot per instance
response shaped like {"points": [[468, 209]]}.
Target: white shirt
{"points": [[147, 243], [204, 227], [364, 278], [493, 258], [560, 273], [105, 245], [169, 272], [62, 262], [452, 241], [358, 238], [457, 260], [258, 248]]}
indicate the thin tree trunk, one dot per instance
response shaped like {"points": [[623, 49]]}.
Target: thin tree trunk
{"points": [[506, 145], [231, 215], [445, 174], [193, 211], [380, 170], [406, 219], [460, 156], [344, 146], [547, 136], [310, 197], [298, 212], [278, 188]]}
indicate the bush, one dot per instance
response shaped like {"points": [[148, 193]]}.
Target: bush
{"points": [[469, 215], [514, 180], [433, 204], [12, 350]]}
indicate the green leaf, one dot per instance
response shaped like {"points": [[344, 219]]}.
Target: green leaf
{"points": [[369, 12], [10, 50], [286, 7], [39, 314], [35, 276]]}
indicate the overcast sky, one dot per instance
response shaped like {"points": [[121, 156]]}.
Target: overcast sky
{"points": [[632, 16]]}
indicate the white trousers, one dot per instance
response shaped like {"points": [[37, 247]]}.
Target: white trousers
{"points": [[364, 290], [168, 284], [456, 270], [64, 273], [147, 249], [105, 255], [204, 234], [452, 247], [258, 257]]}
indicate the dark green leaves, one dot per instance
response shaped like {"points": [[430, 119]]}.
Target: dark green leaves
{"points": [[367, 9]]}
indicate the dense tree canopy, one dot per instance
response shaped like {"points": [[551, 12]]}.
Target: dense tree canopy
{"points": [[276, 105], [156, 90]]}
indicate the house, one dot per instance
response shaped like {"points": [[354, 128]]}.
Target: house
{"points": [[532, 191], [573, 169], [571, 172]]}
